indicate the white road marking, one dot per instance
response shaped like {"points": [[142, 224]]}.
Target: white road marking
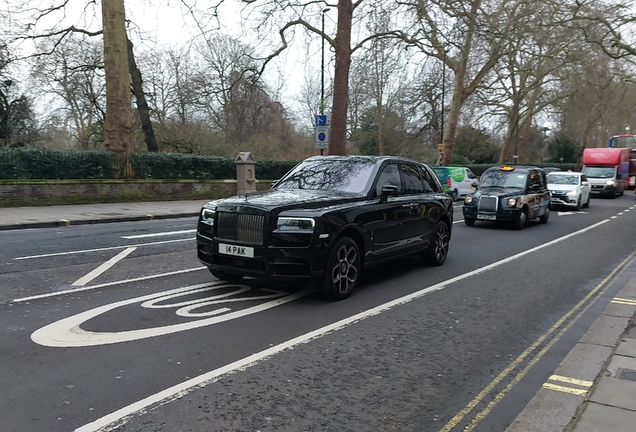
{"points": [[68, 332], [160, 234], [102, 268], [92, 287], [120, 416], [100, 249], [571, 213]]}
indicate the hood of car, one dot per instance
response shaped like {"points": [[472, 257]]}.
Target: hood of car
{"points": [[562, 187], [286, 199], [498, 192]]}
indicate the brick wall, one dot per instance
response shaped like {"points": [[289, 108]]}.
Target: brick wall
{"points": [[40, 192]]}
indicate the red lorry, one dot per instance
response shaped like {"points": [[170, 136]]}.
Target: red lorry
{"points": [[607, 170]]}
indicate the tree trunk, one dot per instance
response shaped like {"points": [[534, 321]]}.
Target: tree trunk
{"points": [[118, 118], [338, 130], [142, 105]]}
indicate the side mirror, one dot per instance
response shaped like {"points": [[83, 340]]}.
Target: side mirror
{"points": [[388, 190], [585, 183], [475, 184]]}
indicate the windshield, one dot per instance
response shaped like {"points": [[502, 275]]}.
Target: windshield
{"points": [[599, 172], [342, 175], [563, 179], [503, 179]]}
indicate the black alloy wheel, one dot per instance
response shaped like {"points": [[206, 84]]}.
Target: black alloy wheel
{"points": [[437, 250], [224, 276], [343, 269]]}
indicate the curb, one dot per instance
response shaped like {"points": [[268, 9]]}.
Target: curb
{"points": [[563, 398], [65, 223]]}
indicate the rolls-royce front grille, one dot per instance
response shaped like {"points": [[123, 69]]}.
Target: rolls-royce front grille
{"points": [[487, 204], [240, 227]]}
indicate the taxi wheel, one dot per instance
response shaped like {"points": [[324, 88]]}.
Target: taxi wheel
{"points": [[221, 275], [437, 250], [545, 217], [469, 221], [342, 271], [521, 222]]}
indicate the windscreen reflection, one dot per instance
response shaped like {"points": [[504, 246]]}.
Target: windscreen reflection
{"points": [[350, 175], [502, 179]]}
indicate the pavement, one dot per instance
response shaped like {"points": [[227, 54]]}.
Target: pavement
{"points": [[592, 390]]}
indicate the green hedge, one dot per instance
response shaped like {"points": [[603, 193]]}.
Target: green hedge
{"points": [[43, 164]]}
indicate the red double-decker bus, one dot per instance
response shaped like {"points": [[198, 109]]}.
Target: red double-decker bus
{"points": [[626, 141]]}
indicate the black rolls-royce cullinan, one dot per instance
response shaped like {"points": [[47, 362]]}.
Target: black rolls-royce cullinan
{"points": [[326, 219]]}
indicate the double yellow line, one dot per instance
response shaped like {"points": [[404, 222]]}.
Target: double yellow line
{"points": [[574, 386], [454, 422]]}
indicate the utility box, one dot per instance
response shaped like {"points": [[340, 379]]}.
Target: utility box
{"points": [[245, 173]]}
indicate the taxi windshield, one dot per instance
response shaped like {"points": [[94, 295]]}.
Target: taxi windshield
{"points": [[502, 179]]}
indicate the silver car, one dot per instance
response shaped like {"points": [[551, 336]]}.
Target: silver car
{"points": [[570, 189]]}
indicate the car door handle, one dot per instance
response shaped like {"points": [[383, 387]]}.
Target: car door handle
{"points": [[410, 206]]}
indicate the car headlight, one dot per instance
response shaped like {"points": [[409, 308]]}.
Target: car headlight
{"points": [[207, 215], [468, 199], [512, 202], [572, 192], [295, 223], [610, 183]]}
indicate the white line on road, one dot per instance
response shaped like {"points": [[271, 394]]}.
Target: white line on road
{"points": [[158, 234], [92, 287], [102, 268], [101, 249], [119, 417]]}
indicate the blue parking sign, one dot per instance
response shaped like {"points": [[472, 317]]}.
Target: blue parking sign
{"points": [[321, 120]]}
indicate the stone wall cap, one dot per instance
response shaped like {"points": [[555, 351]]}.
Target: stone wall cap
{"points": [[245, 157]]}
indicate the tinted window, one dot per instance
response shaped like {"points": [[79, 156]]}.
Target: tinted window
{"points": [[412, 180], [470, 174], [430, 183], [344, 175], [389, 175]]}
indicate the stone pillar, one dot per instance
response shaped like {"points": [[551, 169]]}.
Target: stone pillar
{"points": [[245, 173]]}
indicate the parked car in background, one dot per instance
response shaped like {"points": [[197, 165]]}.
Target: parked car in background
{"points": [[569, 189], [457, 181], [326, 220], [513, 194]]}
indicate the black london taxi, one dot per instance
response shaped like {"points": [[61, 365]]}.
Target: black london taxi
{"points": [[327, 219], [512, 194]]}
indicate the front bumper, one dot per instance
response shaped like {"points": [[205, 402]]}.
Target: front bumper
{"points": [[564, 201], [502, 215], [604, 190], [272, 262]]}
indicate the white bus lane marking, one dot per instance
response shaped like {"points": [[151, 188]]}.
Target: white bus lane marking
{"points": [[102, 268], [68, 332], [160, 234], [101, 249]]}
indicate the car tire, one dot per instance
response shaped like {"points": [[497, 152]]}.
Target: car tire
{"points": [[587, 203], [224, 276], [578, 204], [546, 216], [342, 270], [521, 222], [437, 250], [469, 221]]}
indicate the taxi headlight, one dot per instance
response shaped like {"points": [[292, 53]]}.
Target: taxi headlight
{"points": [[468, 199], [295, 223], [207, 215], [610, 183], [512, 202]]}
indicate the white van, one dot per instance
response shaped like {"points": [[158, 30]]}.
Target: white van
{"points": [[457, 181]]}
